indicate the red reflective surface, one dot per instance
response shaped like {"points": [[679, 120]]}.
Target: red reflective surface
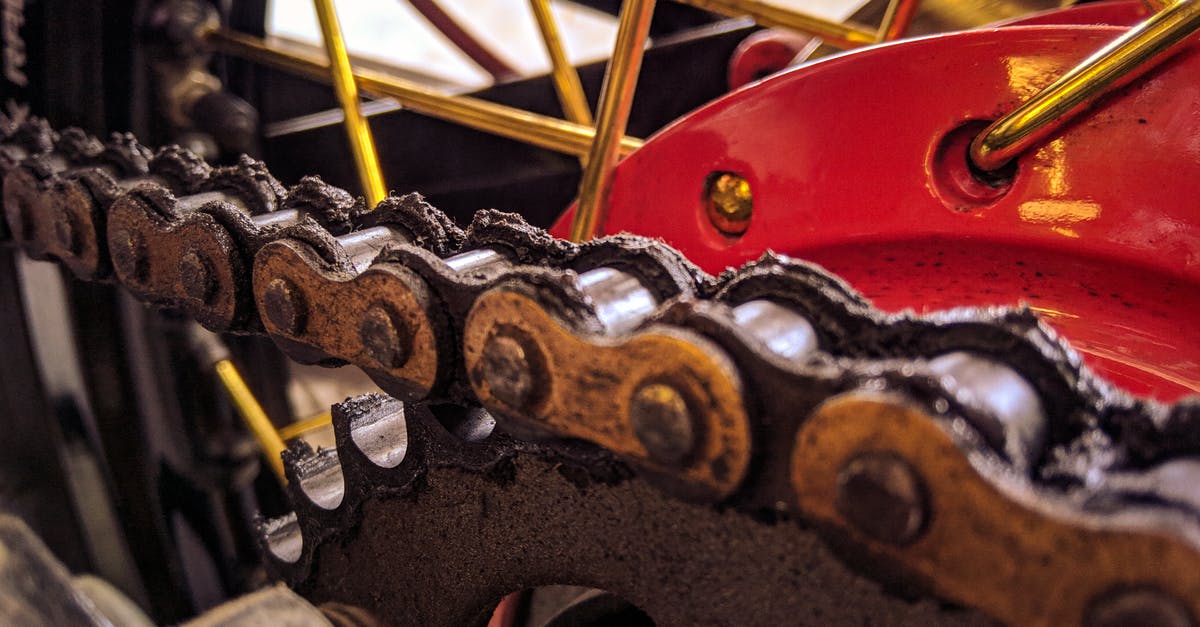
{"points": [[850, 167], [1113, 13]]}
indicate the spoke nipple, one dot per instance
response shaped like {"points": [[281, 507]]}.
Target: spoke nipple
{"points": [[284, 306], [382, 338], [883, 497], [662, 422]]}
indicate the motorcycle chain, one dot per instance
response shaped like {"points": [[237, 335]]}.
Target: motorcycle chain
{"points": [[969, 449]]}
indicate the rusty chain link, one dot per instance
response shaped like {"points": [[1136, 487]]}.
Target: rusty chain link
{"points": [[970, 448]]}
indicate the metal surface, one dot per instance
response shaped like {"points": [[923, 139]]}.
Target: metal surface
{"points": [[566, 79], [539, 130], [621, 301], [896, 20], [561, 382], [1128, 57], [963, 496], [458, 513], [358, 131], [883, 497], [783, 331], [1012, 418], [616, 100], [703, 409], [1092, 232], [728, 202], [701, 406]]}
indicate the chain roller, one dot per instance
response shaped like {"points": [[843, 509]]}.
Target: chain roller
{"points": [[962, 447]]}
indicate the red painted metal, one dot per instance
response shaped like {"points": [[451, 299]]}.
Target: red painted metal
{"points": [[1111, 13], [763, 54], [855, 163]]}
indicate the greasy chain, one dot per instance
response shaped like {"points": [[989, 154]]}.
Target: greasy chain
{"points": [[969, 448]]}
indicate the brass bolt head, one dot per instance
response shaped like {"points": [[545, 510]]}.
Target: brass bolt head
{"points": [[728, 202]]}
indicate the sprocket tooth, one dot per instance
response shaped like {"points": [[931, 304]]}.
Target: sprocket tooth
{"points": [[383, 448], [287, 553], [386, 446], [374, 443], [542, 355], [894, 476], [545, 515], [317, 488], [315, 478]]}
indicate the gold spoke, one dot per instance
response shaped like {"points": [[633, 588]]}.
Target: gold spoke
{"points": [[896, 19], [358, 130], [306, 426], [616, 99], [840, 35], [252, 413], [532, 128], [1129, 56], [566, 79]]}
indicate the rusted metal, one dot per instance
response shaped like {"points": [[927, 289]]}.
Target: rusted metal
{"points": [[961, 550], [382, 319], [572, 386], [717, 389]]}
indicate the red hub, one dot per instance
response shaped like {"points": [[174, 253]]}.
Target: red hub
{"points": [[858, 163]]}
